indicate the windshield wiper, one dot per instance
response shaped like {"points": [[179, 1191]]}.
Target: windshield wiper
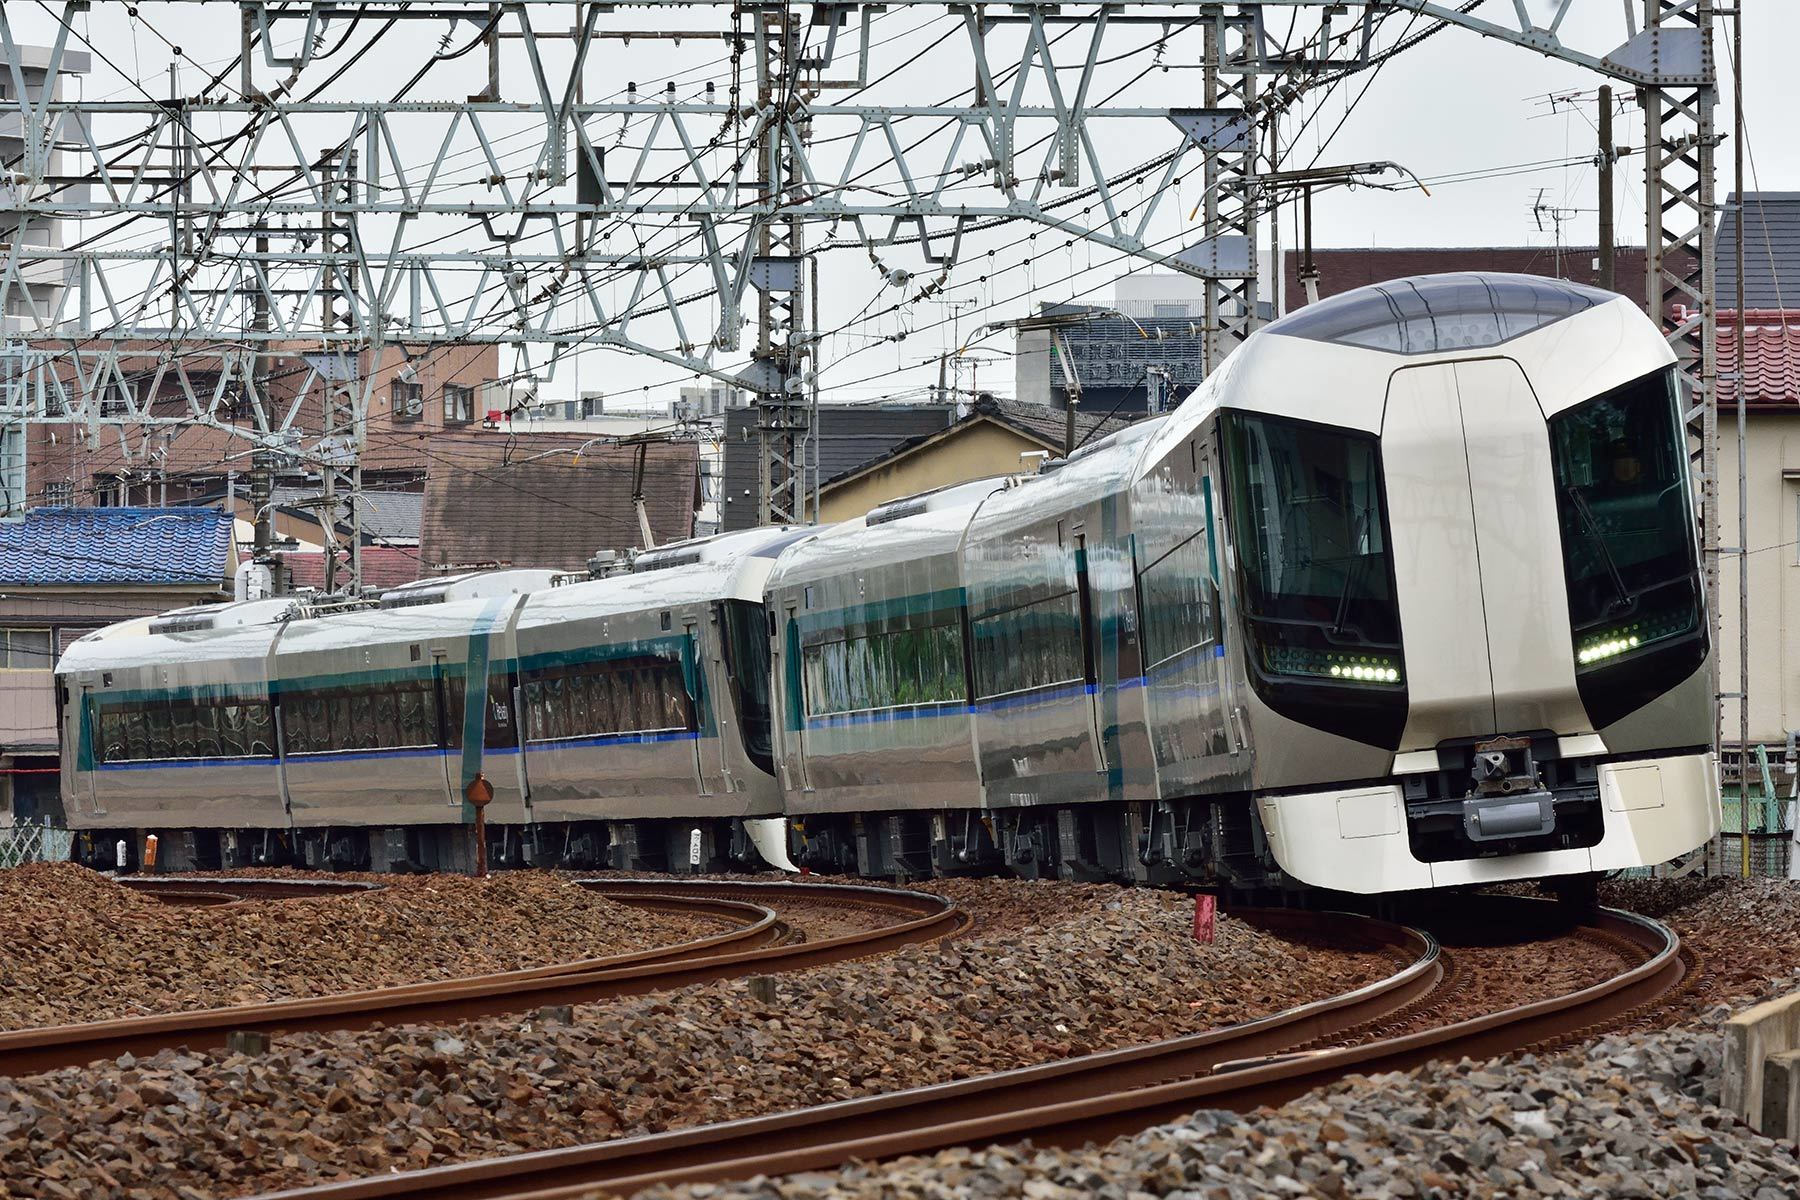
{"points": [[1593, 531], [1343, 604]]}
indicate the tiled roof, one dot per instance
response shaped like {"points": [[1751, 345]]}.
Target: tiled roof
{"points": [[158, 546], [1347, 269], [1771, 356], [532, 501], [849, 438], [387, 516], [1771, 251], [383, 567], [1046, 426], [393, 516], [1049, 425]]}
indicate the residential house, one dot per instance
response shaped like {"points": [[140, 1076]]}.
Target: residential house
{"points": [[553, 501], [1343, 270], [993, 438], [415, 398], [845, 438], [66, 571]]}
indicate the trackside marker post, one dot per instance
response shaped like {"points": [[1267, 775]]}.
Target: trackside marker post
{"points": [[1205, 910], [478, 793]]}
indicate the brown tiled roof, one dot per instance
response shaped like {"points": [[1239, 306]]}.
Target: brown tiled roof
{"points": [[383, 567], [1347, 269], [531, 501], [1771, 357]]}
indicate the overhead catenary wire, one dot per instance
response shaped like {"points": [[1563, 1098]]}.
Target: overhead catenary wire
{"points": [[1128, 209]]}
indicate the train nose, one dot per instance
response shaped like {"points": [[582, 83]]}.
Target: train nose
{"points": [[1477, 556]]}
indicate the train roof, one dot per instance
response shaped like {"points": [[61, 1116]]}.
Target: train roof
{"points": [[1437, 314], [1330, 362], [726, 566], [932, 522]]}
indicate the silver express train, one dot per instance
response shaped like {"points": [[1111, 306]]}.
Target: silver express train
{"points": [[1406, 596]]}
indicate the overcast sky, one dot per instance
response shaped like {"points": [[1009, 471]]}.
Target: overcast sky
{"points": [[1454, 104]]}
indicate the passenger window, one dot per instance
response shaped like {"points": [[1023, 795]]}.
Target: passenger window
{"points": [[604, 701], [580, 715], [207, 740], [677, 705], [259, 728], [556, 723], [159, 732], [113, 747], [231, 730]]}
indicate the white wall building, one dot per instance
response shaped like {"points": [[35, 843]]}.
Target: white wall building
{"points": [[709, 400], [36, 305]]}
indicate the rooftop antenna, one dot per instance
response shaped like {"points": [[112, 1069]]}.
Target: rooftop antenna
{"points": [[1557, 215]]}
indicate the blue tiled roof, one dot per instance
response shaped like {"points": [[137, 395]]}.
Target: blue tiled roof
{"points": [[116, 545]]}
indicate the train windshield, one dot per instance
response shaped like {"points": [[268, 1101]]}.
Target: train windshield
{"points": [[746, 629], [1627, 523], [1312, 535], [1316, 576]]}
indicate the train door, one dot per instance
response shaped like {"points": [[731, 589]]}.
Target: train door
{"points": [[1090, 671], [1215, 585], [515, 691], [700, 656], [794, 701], [449, 761], [87, 754]]}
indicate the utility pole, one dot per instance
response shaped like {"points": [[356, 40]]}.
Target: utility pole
{"points": [[1743, 500], [262, 458], [1309, 270], [779, 275], [346, 403], [1607, 157]]}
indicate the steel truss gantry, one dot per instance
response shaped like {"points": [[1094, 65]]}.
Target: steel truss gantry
{"points": [[449, 238]]}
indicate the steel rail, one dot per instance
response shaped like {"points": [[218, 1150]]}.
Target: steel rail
{"points": [[756, 946], [811, 1133], [1068, 1103]]}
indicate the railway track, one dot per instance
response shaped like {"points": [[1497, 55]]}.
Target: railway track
{"points": [[1095, 1097], [755, 941]]}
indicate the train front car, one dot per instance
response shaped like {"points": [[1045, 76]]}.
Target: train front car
{"points": [[1467, 586]]}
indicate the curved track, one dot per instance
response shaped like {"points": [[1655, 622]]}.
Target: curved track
{"points": [[756, 942], [1087, 1099]]}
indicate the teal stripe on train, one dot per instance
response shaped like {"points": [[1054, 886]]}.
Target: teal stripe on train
{"points": [[475, 697]]}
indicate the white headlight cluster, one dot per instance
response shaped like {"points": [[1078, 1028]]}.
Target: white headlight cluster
{"points": [[1366, 674], [1610, 648]]}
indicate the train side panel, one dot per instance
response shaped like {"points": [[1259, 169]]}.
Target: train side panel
{"points": [[1052, 609], [374, 715], [171, 730], [871, 661], [1197, 745]]}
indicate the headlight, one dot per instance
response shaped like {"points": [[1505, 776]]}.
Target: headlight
{"points": [[1608, 644], [1331, 664]]}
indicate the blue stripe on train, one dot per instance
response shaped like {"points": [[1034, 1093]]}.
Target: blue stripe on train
{"points": [[615, 739], [957, 708], [150, 763]]}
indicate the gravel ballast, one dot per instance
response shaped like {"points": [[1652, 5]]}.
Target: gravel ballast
{"points": [[1634, 1118], [82, 948], [1070, 969]]}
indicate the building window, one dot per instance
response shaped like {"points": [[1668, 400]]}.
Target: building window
{"points": [[59, 493], [25, 649], [408, 400], [12, 470], [592, 405], [459, 404]]}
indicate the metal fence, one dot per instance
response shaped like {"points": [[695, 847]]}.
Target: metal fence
{"points": [[33, 843]]}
